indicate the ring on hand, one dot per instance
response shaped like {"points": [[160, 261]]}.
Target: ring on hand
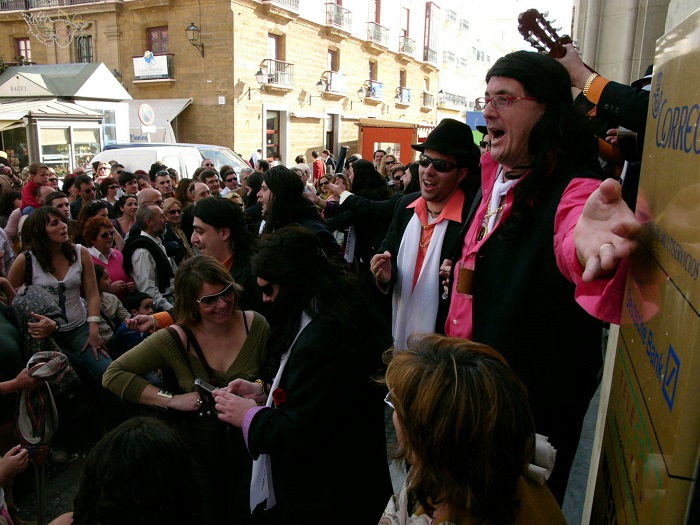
{"points": [[603, 246]]}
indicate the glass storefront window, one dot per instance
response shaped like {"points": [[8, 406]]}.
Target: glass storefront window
{"points": [[55, 149], [86, 144]]}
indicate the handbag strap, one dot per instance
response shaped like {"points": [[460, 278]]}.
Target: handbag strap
{"points": [[198, 350], [28, 268]]}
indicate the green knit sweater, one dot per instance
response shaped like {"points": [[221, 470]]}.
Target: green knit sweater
{"points": [[125, 376]]}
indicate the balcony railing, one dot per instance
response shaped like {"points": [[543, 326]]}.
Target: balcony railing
{"points": [[430, 56], [278, 72], [377, 34], [461, 64], [450, 16], [334, 82], [338, 16], [451, 99], [373, 89], [448, 58], [15, 5], [428, 100], [463, 25], [406, 45], [403, 96], [291, 5]]}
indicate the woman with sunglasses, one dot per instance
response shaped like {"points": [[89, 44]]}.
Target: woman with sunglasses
{"points": [[385, 166], [173, 213], [126, 209], [99, 233], [316, 399], [213, 340], [108, 192], [96, 208]]}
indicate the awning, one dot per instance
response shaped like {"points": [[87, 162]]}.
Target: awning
{"points": [[164, 112], [7, 124]]}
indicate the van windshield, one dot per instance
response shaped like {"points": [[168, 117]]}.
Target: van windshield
{"points": [[222, 157]]}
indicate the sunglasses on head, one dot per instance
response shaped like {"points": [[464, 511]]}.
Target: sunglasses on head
{"points": [[266, 289], [441, 166], [226, 294]]}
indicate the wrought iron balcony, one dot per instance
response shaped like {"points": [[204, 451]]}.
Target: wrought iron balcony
{"points": [[377, 34], [430, 56], [448, 58], [463, 25], [372, 91], [450, 99], [278, 73], [338, 17], [462, 64], [406, 45], [427, 101], [450, 16], [291, 5], [23, 5], [334, 82], [403, 96]]}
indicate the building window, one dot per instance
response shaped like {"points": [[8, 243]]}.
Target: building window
{"points": [[158, 40], [83, 49], [274, 51], [272, 135], [23, 48], [402, 78], [405, 20], [372, 70], [333, 62]]}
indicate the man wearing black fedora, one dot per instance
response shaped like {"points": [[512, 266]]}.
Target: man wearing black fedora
{"points": [[485, 142], [425, 230]]}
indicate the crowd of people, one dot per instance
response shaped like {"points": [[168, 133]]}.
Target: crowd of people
{"points": [[264, 315]]}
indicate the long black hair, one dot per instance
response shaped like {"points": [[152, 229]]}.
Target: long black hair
{"points": [[287, 203], [368, 182], [561, 139], [333, 294]]}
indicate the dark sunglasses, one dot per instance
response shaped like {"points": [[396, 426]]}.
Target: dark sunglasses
{"points": [[390, 162], [397, 177], [119, 172], [226, 294], [266, 289], [232, 180], [441, 166], [112, 187], [174, 212], [484, 144], [53, 179], [325, 183], [88, 190], [208, 165], [105, 235]]}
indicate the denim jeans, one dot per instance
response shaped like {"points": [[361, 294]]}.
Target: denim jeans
{"points": [[73, 341]]}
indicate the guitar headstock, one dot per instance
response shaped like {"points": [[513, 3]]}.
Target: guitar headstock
{"points": [[538, 31]]}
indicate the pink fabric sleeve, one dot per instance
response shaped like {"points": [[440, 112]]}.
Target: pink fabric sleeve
{"points": [[247, 420], [601, 298]]}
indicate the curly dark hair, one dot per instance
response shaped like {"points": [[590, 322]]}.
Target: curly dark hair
{"points": [[283, 259], [368, 182], [139, 473]]}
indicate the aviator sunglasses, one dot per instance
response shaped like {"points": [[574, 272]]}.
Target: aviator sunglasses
{"points": [[226, 293], [441, 166]]}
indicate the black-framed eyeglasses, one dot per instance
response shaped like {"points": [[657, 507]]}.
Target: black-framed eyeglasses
{"points": [[498, 101], [440, 165], [388, 401], [266, 289], [107, 234], [226, 294]]}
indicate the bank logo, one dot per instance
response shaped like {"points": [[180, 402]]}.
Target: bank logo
{"points": [[670, 380]]}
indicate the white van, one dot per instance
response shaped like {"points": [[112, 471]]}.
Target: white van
{"points": [[185, 158]]}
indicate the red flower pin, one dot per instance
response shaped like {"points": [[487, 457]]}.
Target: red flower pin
{"points": [[279, 396]]}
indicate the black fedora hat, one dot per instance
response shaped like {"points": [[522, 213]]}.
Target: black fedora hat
{"points": [[450, 137], [483, 130]]}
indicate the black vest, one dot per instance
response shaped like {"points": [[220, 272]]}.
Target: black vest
{"points": [[525, 309]]}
